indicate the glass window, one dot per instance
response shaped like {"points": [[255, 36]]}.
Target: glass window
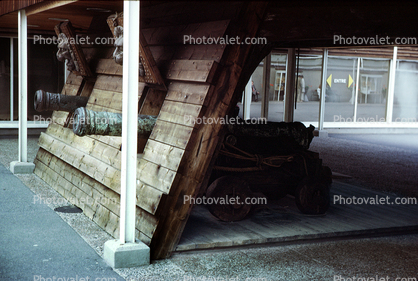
{"points": [[308, 82], [405, 105], [340, 89], [374, 77]]}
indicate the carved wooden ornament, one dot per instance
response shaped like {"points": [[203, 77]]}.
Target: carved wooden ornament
{"points": [[148, 71], [69, 50]]}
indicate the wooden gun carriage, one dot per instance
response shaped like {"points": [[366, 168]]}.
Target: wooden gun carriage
{"points": [[272, 159]]}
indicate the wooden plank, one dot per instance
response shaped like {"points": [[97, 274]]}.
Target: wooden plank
{"points": [[155, 175], [65, 186], [194, 93], [113, 141], [70, 89], [74, 79], [109, 67], [171, 134], [179, 113], [174, 35], [99, 150], [162, 154], [145, 223], [100, 171], [211, 52], [105, 99], [153, 102], [151, 106], [105, 174], [59, 117], [109, 83], [99, 108], [147, 197], [99, 213], [195, 70]]}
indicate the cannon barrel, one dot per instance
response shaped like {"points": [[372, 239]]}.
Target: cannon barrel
{"points": [[89, 122], [46, 101], [282, 135]]}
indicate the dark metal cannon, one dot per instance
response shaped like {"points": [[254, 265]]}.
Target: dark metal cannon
{"points": [[46, 101], [89, 122], [270, 159]]}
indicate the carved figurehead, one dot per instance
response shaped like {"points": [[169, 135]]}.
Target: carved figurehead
{"points": [[64, 52], [118, 53]]}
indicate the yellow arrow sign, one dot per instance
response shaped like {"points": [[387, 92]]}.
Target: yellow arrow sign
{"points": [[350, 80], [329, 80]]}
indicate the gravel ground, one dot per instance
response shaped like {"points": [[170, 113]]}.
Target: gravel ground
{"points": [[375, 166]]}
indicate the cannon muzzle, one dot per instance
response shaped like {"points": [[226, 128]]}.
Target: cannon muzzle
{"points": [[46, 101]]}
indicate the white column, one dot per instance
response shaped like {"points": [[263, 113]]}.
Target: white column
{"points": [[246, 114], [391, 89], [352, 91], [23, 85], [125, 252], [129, 120], [289, 98], [357, 85], [22, 166], [266, 87], [11, 79], [323, 89]]}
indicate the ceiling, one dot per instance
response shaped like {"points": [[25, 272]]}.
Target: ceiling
{"points": [[80, 13], [301, 23]]}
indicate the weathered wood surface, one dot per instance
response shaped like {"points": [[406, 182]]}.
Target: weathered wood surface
{"points": [[281, 221], [75, 186], [204, 139], [201, 82], [151, 105]]}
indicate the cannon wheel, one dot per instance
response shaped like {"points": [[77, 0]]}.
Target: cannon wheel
{"points": [[312, 197], [224, 188]]}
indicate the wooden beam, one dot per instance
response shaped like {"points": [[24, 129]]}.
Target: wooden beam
{"points": [[205, 138], [46, 5]]}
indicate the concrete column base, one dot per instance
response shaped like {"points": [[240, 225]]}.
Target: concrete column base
{"points": [[321, 133], [17, 167], [119, 255]]}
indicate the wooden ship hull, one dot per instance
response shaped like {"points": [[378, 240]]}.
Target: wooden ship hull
{"points": [[182, 82], [201, 80]]}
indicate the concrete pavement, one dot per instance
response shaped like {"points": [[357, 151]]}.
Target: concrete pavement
{"points": [[36, 244]]}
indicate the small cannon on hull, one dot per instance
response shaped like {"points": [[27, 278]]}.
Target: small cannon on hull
{"points": [[46, 101], [272, 159], [89, 122]]}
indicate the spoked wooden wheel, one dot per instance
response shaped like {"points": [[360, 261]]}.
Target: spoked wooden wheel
{"points": [[312, 197], [228, 198]]}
